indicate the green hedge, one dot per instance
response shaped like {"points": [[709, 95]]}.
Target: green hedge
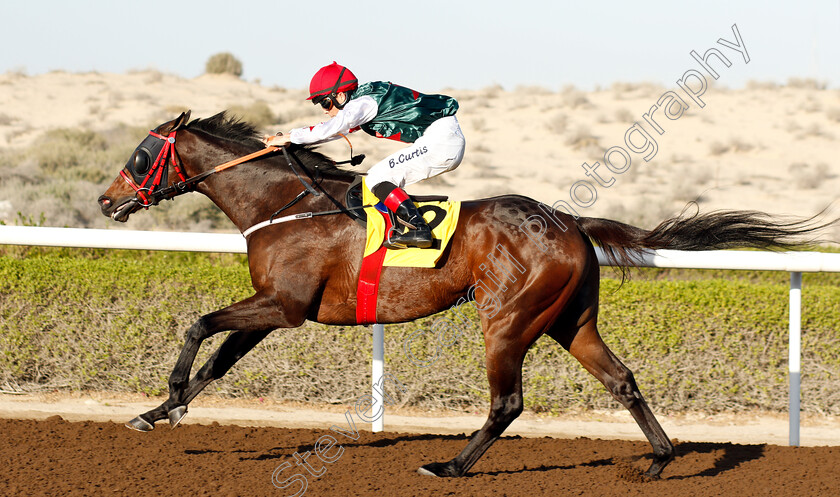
{"points": [[696, 340]]}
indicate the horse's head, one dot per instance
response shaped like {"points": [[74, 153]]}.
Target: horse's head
{"points": [[247, 194], [148, 175]]}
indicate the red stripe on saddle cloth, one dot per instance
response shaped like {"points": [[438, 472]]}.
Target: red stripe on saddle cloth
{"points": [[367, 292]]}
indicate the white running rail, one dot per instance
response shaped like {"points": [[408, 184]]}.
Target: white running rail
{"points": [[795, 263]]}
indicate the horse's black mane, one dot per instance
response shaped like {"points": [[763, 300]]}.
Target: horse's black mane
{"points": [[231, 127]]}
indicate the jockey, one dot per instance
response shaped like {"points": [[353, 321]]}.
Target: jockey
{"points": [[426, 123]]}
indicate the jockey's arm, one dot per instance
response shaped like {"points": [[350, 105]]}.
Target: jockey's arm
{"points": [[355, 113]]}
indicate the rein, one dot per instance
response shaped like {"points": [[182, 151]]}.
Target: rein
{"points": [[150, 195]]}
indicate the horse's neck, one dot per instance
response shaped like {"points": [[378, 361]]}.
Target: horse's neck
{"points": [[251, 192]]}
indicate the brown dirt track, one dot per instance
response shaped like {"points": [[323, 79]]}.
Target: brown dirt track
{"points": [[56, 457]]}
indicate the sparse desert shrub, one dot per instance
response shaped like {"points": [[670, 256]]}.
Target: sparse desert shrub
{"points": [[680, 158], [797, 167], [792, 126], [558, 123], [258, 114], [581, 138], [492, 91], [61, 175], [806, 83], [815, 130], [808, 177], [624, 116], [734, 145], [479, 124], [223, 63], [299, 113], [437, 181], [18, 72], [115, 98], [482, 162], [761, 85], [744, 180], [739, 145], [152, 77], [144, 97], [621, 89], [699, 175], [489, 172], [6, 120], [683, 190], [811, 105], [533, 90], [65, 148], [833, 114], [574, 98], [479, 147]]}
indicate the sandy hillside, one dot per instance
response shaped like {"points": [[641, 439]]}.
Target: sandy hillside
{"points": [[764, 147]]}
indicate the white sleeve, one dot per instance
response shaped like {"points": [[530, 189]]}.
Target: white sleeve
{"points": [[355, 113]]}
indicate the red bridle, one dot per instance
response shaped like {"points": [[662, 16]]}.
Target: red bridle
{"points": [[150, 192], [155, 173]]}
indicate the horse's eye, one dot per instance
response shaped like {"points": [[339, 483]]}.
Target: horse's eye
{"points": [[142, 162]]}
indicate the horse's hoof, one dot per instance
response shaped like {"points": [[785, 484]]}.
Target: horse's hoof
{"points": [[439, 469], [658, 464], [425, 472], [140, 424], [176, 415]]}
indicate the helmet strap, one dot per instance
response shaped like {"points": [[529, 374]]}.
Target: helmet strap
{"points": [[334, 97]]}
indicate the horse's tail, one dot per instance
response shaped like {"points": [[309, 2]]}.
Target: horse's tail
{"points": [[712, 231]]}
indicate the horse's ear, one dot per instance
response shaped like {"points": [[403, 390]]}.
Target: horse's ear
{"points": [[175, 124], [181, 121]]}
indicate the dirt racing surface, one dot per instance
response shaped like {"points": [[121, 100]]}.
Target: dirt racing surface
{"points": [[56, 457]]}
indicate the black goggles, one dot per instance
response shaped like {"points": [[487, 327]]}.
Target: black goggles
{"points": [[325, 102]]}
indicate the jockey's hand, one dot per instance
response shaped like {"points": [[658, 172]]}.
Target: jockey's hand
{"points": [[279, 140]]}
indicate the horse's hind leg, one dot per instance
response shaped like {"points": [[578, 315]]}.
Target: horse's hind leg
{"points": [[587, 347]]}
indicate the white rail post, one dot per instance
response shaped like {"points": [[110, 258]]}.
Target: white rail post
{"points": [[378, 370], [794, 355]]}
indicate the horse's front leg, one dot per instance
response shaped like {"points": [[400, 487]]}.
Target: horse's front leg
{"points": [[235, 346], [504, 357], [252, 318]]}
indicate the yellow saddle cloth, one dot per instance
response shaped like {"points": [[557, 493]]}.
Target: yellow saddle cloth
{"points": [[442, 217]]}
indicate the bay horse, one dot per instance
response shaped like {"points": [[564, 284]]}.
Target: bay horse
{"points": [[308, 268]]}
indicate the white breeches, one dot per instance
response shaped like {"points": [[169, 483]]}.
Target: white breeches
{"points": [[440, 149]]}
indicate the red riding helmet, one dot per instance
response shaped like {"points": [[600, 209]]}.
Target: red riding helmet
{"points": [[332, 79]]}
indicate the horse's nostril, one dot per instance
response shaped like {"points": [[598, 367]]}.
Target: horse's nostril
{"points": [[104, 202]]}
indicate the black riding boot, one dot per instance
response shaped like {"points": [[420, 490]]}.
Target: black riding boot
{"points": [[418, 234], [397, 201]]}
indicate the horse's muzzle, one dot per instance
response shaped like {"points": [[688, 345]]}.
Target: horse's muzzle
{"points": [[118, 211]]}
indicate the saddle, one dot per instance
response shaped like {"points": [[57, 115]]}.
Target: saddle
{"points": [[353, 199], [442, 219]]}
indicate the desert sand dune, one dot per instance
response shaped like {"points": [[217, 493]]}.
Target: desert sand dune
{"points": [[764, 147]]}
